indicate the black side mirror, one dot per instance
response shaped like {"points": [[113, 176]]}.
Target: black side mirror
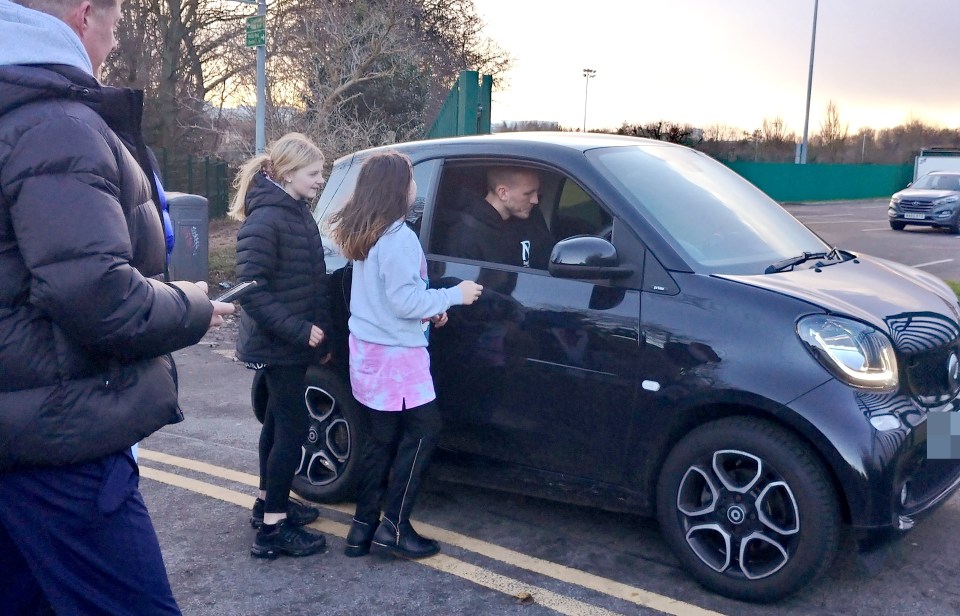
{"points": [[586, 257]]}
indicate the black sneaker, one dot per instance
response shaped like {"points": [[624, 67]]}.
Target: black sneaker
{"points": [[298, 514], [287, 539]]}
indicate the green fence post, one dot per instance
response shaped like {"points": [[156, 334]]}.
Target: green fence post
{"points": [[483, 115], [467, 105]]}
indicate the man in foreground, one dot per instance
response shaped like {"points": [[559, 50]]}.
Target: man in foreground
{"points": [[85, 333]]}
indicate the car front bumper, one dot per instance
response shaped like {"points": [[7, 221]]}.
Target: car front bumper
{"points": [[930, 219], [884, 475]]}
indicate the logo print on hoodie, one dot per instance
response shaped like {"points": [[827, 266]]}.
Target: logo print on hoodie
{"points": [[525, 252]]}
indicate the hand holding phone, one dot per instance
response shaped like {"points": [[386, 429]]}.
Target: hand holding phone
{"points": [[236, 291]]}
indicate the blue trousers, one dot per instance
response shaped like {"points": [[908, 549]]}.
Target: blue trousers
{"points": [[79, 538]]}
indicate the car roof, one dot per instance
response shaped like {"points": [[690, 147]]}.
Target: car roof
{"points": [[525, 142]]}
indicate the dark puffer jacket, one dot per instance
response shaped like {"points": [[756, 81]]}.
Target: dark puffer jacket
{"points": [[279, 246], [83, 332]]}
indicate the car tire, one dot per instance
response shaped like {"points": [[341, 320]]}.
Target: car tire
{"points": [[258, 395], [898, 226], [954, 228], [330, 458], [740, 487]]}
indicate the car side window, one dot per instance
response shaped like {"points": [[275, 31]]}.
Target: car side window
{"points": [[339, 187], [343, 180], [578, 214], [423, 174], [467, 226]]}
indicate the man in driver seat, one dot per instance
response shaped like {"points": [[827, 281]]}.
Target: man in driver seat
{"points": [[506, 226]]}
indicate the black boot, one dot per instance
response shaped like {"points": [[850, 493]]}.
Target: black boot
{"points": [[359, 538], [402, 540]]}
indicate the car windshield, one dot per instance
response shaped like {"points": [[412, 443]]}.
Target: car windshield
{"points": [[938, 182], [718, 221]]}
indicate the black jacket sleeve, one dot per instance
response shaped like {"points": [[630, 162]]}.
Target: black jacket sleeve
{"points": [[76, 244]]}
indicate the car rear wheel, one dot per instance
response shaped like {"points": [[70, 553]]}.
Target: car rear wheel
{"points": [[748, 509], [897, 226], [330, 455]]}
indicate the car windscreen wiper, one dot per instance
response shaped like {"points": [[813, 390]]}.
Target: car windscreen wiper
{"points": [[780, 266]]}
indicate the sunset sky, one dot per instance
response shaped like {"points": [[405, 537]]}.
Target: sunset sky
{"points": [[732, 62]]}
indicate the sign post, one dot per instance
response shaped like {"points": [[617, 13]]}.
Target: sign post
{"points": [[256, 36]]}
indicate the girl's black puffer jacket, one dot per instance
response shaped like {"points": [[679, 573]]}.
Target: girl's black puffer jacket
{"points": [[279, 246]]}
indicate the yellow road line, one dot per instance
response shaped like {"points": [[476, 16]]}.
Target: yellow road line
{"points": [[632, 594], [440, 562]]}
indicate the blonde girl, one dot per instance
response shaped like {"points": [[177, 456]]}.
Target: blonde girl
{"points": [[282, 325]]}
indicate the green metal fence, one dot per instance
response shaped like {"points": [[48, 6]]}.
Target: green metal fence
{"points": [[790, 182], [466, 111], [199, 175]]}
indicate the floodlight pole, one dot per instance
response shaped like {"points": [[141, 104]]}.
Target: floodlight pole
{"points": [[806, 119], [587, 74]]}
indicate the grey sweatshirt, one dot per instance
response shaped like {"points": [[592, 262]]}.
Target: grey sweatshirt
{"points": [[33, 37], [388, 296]]}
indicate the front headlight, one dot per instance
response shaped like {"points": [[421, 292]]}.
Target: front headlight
{"points": [[946, 200], [855, 352]]}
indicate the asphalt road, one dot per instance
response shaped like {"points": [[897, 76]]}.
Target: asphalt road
{"points": [[861, 226], [502, 553]]}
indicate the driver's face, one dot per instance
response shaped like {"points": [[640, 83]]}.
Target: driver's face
{"points": [[522, 195]]}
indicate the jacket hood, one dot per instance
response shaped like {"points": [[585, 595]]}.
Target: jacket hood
{"points": [[263, 192], [484, 213], [37, 38], [887, 295], [121, 108], [21, 84]]}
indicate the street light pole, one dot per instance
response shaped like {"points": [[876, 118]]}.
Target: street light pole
{"points": [[261, 84], [806, 119], [587, 74]]}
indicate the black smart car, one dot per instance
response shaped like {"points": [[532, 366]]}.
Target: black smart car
{"points": [[692, 352]]}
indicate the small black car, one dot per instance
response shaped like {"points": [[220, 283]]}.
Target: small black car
{"points": [[692, 352]]}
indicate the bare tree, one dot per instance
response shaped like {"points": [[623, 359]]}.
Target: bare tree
{"points": [[720, 132], [368, 61], [775, 131], [527, 125], [178, 52], [832, 136]]}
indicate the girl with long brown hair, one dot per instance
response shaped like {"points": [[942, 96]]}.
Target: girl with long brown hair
{"points": [[391, 309]]}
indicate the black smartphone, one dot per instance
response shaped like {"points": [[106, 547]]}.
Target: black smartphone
{"points": [[236, 291]]}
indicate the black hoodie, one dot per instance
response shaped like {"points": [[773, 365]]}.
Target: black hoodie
{"points": [[481, 233]]}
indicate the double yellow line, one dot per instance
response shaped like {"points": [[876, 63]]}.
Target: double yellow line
{"points": [[442, 562]]}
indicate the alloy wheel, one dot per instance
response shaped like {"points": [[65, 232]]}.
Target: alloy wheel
{"points": [[326, 451], [738, 514]]}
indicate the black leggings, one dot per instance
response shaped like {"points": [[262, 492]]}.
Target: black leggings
{"points": [[395, 461], [285, 426]]}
